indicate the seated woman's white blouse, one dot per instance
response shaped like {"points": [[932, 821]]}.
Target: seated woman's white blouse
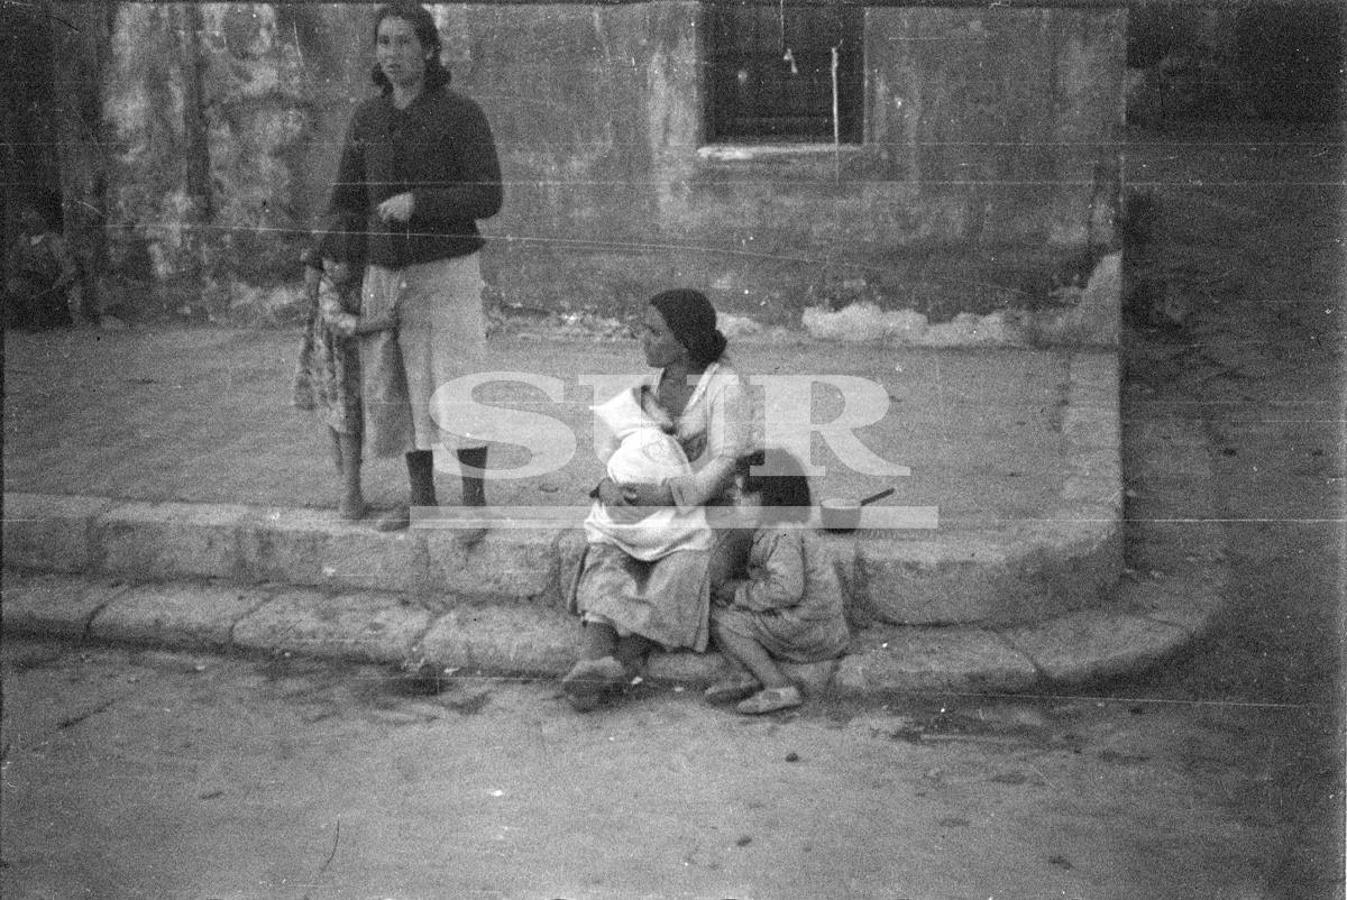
{"points": [[644, 453], [715, 430]]}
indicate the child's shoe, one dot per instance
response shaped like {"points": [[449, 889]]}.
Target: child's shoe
{"points": [[770, 700], [732, 689]]}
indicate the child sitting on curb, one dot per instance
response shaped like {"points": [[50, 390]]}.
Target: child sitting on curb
{"points": [[789, 607]]}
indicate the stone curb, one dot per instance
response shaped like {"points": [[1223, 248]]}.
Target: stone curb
{"points": [[1162, 617], [1023, 572], [204, 577], [1151, 617]]}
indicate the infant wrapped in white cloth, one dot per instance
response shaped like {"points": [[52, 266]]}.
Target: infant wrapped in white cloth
{"points": [[644, 452]]}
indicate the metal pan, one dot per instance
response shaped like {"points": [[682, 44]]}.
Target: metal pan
{"points": [[843, 514]]}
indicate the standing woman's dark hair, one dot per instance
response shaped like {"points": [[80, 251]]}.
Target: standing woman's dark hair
{"points": [[423, 24], [692, 319]]}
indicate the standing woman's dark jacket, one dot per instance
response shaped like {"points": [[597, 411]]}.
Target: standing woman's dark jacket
{"points": [[440, 149]]}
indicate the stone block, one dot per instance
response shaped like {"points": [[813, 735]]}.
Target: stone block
{"points": [[517, 639], [1190, 601], [377, 627], [957, 580], [314, 548], [156, 541], [504, 564], [1023, 574], [929, 660], [286, 546], [444, 555], [358, 558], [1094, 644], [177, 614], [50, 532], [699, 670], [54, 604]]}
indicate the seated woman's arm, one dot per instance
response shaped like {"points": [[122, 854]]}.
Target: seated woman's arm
{"points": [[728, 437]]}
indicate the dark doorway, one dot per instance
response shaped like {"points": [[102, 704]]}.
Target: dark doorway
{"points": [[1293, 57], [31, 170]]}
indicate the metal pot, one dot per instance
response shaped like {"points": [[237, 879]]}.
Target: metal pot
{"points": [[842, 515]]}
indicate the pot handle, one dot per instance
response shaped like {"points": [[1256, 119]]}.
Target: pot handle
{"points": [[880, 496]]}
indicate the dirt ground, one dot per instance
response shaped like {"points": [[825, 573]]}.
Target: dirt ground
{"points": [[133, 773], [136, 775], [1249, 232]]}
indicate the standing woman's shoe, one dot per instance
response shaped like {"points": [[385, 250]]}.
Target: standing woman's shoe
{"points": [[472, 465], [421, 484]]}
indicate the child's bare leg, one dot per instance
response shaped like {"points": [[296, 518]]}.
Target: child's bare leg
{"points": [[750, 654], [352, 501]]}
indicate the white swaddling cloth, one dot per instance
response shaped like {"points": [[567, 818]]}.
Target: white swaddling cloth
{"points": [[644, 453]]}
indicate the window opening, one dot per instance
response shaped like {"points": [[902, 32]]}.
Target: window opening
{"points": [[784, 73]]}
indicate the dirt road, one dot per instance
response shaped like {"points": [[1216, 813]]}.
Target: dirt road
{"points": [[156, 775], [1249, 228]]}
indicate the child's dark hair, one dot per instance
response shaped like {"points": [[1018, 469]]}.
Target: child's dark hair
{"points": [[779, 480]]}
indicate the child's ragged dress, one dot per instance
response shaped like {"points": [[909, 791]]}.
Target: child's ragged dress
{"points": [[327, 376], [792, 602]]}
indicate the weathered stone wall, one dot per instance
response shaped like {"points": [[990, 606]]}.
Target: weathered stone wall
{"points": [[989, 160], [986, 179], [276, 83]]}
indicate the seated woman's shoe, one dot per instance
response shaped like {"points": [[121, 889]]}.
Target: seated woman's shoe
{"points": [[770, 700], [731, 690], [591, 681]]}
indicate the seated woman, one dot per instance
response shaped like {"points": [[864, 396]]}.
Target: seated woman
{"points": [[627, 605]]}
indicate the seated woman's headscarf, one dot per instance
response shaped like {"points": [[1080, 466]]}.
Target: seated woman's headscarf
{"points": [[692, 319]]}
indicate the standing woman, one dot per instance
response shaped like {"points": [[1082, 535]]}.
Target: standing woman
{"points": [[419, 166]]}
